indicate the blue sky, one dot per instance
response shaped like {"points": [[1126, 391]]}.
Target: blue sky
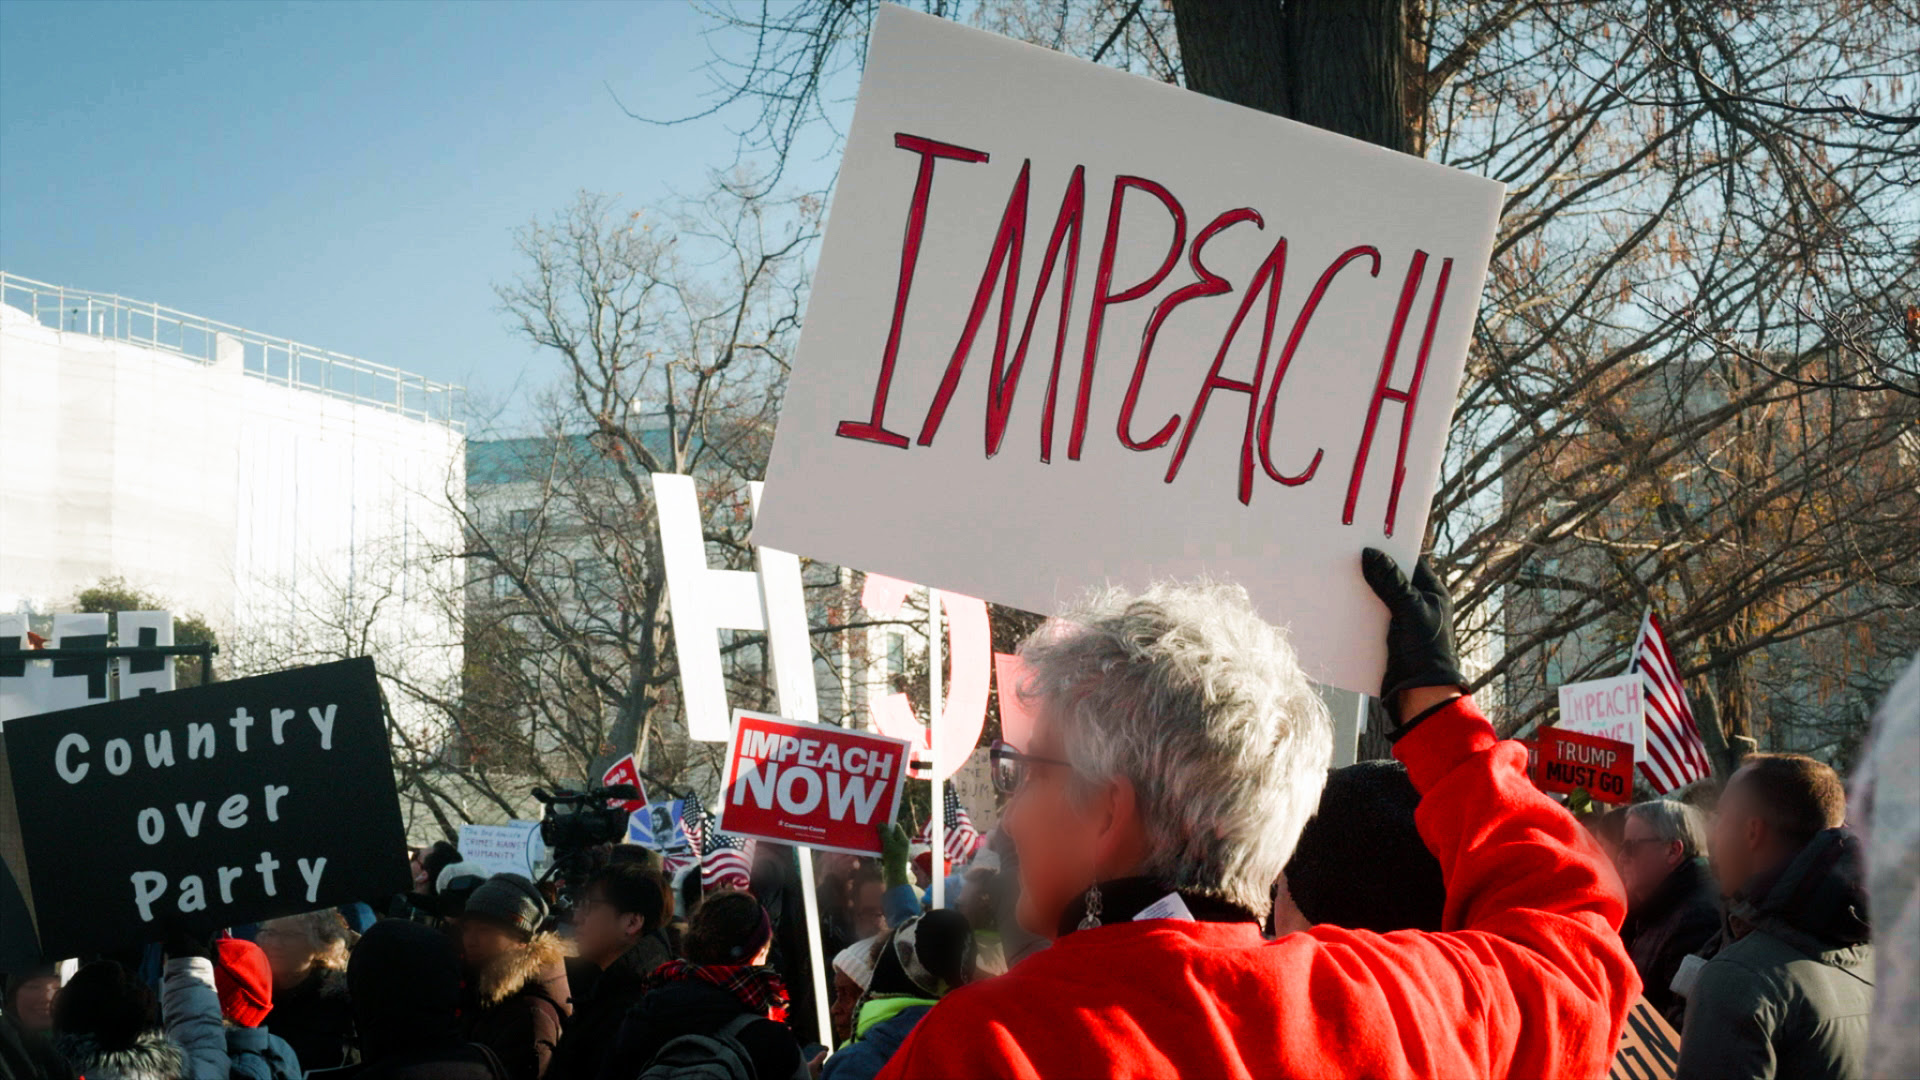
{"points": [[344, 174]]}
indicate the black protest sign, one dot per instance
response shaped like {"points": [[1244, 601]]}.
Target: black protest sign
{"points": [[204, 808]]}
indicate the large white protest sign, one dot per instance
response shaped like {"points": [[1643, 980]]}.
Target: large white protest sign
{"points": [[1610, 708], [1072, 326]]}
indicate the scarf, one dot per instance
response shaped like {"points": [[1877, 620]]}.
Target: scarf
{"points": [[758, 988]]}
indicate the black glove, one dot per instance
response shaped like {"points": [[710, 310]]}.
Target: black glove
{"points": [[1420, 649], [181, 942]]}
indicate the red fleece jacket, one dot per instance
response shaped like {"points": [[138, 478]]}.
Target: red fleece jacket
{"points": [[1528, 980]]}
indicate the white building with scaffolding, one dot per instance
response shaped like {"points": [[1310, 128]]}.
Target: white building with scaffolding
{"points": [[290, 495]]}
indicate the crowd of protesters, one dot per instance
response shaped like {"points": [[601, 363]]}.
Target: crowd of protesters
{"points": [[1178, 886]]}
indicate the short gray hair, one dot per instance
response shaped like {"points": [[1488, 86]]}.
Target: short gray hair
{"points": [[1188, 694], [1673, 820]]}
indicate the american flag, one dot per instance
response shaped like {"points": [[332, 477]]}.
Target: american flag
{"points": [[726, 861], [1675, 756], [962, 838]]}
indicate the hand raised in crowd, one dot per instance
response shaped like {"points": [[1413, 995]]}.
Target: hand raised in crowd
{"points": [[893, 854], [1423, 665]]}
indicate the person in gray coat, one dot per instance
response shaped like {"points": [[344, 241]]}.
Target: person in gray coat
{"points": [[1787, 987]]}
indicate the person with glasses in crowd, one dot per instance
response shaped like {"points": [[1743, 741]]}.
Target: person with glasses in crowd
{"points": [[1673, 905], [1178, 750]]}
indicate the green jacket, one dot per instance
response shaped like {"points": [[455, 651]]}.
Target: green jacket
{"points": [[1790, 987]]}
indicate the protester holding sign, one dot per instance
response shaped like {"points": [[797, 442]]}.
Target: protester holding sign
{"points": [[1177, 754]]}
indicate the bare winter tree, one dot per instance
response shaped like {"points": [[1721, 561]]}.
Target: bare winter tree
{"points": [[1696, 375]]}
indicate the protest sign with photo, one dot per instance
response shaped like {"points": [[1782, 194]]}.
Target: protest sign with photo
{"points": [[202, 808], [659, 826], [513, 848], [1074, 326], [1610, 708], [1565, 760], [814, 784]]}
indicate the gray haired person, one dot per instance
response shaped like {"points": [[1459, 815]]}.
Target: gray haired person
{"points": [[1673, 906]]}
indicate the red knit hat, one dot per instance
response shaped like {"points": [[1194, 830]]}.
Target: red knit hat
{"points": [[245, 982]]}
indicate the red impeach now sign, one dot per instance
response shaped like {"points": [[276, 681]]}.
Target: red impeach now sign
{"points": [[1567, 759], [813, 784]]}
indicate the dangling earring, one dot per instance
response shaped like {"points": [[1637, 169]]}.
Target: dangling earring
{"points": [[1092, 918]]}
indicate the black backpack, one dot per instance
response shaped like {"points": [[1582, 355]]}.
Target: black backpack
{"points": [[718, 1056]]}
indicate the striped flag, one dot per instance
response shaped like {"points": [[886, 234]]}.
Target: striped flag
{"points": [[1675, 756], [962, 838], [726, 861]]}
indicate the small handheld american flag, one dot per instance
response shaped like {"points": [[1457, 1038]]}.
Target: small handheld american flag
{"points": [[962, 838], [726, 861]]}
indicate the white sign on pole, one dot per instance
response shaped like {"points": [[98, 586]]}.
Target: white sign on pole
{"points": [[1610, 708], [1077, 326], [513, 848]]}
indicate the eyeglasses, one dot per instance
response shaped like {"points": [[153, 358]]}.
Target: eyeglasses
{"points": [[1009, 767]]}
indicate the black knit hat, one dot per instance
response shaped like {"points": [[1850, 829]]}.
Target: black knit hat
{"points": [[1369, 808], [512, 900]]}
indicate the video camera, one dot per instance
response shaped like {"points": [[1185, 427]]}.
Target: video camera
{"points": [[575, 822]]}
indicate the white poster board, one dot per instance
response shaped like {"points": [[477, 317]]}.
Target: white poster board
{"points": [[1610, 708], [1219, 402], [513, 848]]}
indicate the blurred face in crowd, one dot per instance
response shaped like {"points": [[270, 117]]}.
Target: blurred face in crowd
{"points": [[1740, 843], [482, 941], [290, 950], [846, 996], [1066, 839], [419, 869], [869, 913], [32, 1004], [1644, 859], [601, 931]]}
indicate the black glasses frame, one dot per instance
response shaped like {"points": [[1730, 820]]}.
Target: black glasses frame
{"points": [[1009, 766]]}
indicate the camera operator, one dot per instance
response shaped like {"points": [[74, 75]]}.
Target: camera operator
{"points": [[575, 826], [619, 926]]}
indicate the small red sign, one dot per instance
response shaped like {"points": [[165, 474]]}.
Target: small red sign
{"points": [[1567, 760], [625, 771], [813, 784]]}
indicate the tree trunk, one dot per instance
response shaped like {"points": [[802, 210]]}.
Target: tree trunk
{"points": [[1342, 65]]}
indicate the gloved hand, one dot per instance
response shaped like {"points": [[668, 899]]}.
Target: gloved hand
{"points": [[1420, 649], [893, 855]]}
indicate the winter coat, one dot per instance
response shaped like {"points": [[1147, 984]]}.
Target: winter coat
{"points": [[405, 984], [316, 1019], [1528, 979], [879, 1029], [1789, 987], [152, 1056], [597, 1015], [190, 1005], [691, 1007], [25, 1055], [453, 1061], [518, 1006], [1679, 918]]}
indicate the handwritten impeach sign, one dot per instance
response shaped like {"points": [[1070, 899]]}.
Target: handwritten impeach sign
{"points": [[1072, 326], [202, 808], [813, 784]]}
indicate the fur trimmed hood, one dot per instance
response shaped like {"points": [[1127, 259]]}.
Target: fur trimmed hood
{"points": [[541, 960], [151, 1057]]}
